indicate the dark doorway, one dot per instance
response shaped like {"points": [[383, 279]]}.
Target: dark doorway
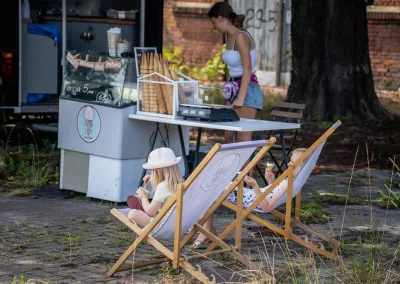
{"points": [[154, 24]]}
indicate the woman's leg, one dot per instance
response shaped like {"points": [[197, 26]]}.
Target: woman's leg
{"points": [[245, 112], [139, 217], [209, 225]]}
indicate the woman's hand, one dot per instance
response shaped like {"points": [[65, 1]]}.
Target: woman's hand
{"points": [[238, 103], [142, 193], [250, 181]]}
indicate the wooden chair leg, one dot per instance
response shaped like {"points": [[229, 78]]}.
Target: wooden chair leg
{"points": [[239, 210], [297, 209]]}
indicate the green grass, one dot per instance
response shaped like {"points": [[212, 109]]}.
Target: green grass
{"points": [[21, 192], [333, 198]]}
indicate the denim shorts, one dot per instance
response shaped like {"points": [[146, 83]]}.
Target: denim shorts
{"points": [[254, 96]]}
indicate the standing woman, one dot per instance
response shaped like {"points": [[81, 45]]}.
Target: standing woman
{"points": [[242, 91]]}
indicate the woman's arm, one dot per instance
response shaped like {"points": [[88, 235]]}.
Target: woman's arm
{"points": [[244, 50]]}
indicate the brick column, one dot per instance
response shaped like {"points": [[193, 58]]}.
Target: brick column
{"points": [[187, 25]]}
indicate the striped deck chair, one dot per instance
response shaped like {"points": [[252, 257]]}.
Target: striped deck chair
{"points": [[295, 185], [203, 192]]}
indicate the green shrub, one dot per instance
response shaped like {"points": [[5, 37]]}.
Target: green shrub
{"points": [[214, 70]]}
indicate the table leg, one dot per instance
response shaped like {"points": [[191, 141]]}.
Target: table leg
{"points": [[184, 157], [234, 136], [198, 142], [261, 175], [151, 149], [285, 157]]}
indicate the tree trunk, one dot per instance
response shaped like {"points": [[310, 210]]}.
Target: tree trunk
{"points": [[331, 70]]}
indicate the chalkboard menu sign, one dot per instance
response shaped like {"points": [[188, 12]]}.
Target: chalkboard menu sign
{"points": [[95, 77]]}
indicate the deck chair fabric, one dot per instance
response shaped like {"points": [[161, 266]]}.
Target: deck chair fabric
{"points": [[199, 196], [295, 184], [301, 177]]}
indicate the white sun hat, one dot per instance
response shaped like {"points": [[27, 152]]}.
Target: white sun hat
{"points": [[161, 158]]}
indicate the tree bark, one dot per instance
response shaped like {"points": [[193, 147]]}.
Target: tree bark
{"points": [[331, 70]]}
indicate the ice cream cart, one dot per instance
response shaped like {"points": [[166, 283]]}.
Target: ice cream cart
{"points": [[102, 151]]}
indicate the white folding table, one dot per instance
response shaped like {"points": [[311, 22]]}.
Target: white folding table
{"points": [[244, 125]]}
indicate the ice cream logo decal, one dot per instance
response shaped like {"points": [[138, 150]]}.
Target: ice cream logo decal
{"points": [[89, 124]]}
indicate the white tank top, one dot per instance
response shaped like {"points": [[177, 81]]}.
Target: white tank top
{"points": [[233, 59]]}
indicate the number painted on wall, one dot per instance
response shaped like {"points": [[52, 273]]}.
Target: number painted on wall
{"points": [[257, 19]]}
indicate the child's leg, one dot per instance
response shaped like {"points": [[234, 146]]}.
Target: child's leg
{"points": [[139, 217]]}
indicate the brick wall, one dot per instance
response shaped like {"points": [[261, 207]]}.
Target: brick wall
{"points": [[387, 2], [384, 45], [187, 25]]}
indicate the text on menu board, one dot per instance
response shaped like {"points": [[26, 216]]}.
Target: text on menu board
{"points": [[101, 96]]}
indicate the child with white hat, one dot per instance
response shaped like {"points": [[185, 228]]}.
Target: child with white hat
{"points": [[165, 177]]}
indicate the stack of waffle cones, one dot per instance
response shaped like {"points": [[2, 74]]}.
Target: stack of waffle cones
{"points": [[144, 70], [153, 98], [158, 98]]}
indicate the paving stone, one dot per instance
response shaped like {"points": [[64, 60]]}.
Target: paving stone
{"points": [[64, 240]]}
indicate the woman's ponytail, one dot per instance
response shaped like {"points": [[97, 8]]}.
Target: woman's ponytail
{"points": [[223, 9], [238, 20]]}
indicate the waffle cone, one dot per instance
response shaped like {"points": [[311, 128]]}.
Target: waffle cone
{"points": [[162, 108], [270, 166], [167, 90], [170, 89], [153, 104], [145, 86]]}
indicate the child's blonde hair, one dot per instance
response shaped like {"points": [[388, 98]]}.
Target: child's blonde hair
{"points": [[171, 175], [296, 153]]}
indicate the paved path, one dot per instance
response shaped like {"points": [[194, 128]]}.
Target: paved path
{"points": [[74, 240]]}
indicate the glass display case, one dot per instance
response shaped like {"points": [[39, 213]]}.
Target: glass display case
{"points": [[95, 77]]}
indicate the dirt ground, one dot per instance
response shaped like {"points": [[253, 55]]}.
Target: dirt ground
{"points": [[69, 239]]}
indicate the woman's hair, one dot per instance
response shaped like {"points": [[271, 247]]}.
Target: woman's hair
{"points": [[171, 175], [222, 9]]}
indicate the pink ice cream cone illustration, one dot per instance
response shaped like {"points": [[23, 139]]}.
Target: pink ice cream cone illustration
{"points": [[89, 115]]}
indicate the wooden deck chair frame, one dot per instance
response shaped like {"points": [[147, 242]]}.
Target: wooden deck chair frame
{"points": [[179, 260], [289, 222]]}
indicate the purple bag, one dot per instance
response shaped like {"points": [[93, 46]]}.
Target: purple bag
{"points": [[230, 90]]}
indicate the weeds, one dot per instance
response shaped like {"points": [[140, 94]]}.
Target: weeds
{"points": [[387, 198], [333, 198], [21, 192], [72, 239], [28, 166]]}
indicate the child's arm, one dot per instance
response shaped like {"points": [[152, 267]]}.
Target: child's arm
{"points": [[253, 183], [150, 208]]}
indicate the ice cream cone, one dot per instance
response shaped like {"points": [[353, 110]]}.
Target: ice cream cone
{"points": [[166, 89], [145, 86], [161, 104], [270, 166], [170, 89], [152, 87]]}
